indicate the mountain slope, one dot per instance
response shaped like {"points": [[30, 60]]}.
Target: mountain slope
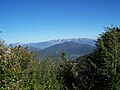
{"points": [[71, 48], [46, 44], [34, 49]]}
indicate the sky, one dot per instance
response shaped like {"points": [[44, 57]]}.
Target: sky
{"points": [[27, 21]]}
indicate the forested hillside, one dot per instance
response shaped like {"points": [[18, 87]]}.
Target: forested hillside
{"points": [[72, 49], [99, 70]]}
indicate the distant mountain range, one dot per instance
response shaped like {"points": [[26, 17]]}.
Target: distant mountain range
{"points": [[46, 44], [73, 47]]}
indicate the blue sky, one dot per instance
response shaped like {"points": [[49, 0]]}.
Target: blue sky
{"points": [[40, 20]]}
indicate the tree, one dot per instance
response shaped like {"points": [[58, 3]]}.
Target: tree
{"points": [[64, 71], [63, 55], [105, 60], [46, 76], [15, 62], [108, 46], [19, 70], [100, 70]]}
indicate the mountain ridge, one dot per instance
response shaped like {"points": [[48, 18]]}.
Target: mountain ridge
{"points": [[46, 44], [71, 48]]}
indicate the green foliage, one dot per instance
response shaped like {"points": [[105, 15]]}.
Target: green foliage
{"points": [[100, 70], [108, 48], [63, 56], [19, 70], [103, 65], [64, 71], [46, 75], [14, 62]]}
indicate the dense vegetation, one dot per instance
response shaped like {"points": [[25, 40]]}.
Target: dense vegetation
{"points": [[100, 70]]}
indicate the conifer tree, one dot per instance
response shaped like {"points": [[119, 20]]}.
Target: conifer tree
{"points": [[105, 61]]}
